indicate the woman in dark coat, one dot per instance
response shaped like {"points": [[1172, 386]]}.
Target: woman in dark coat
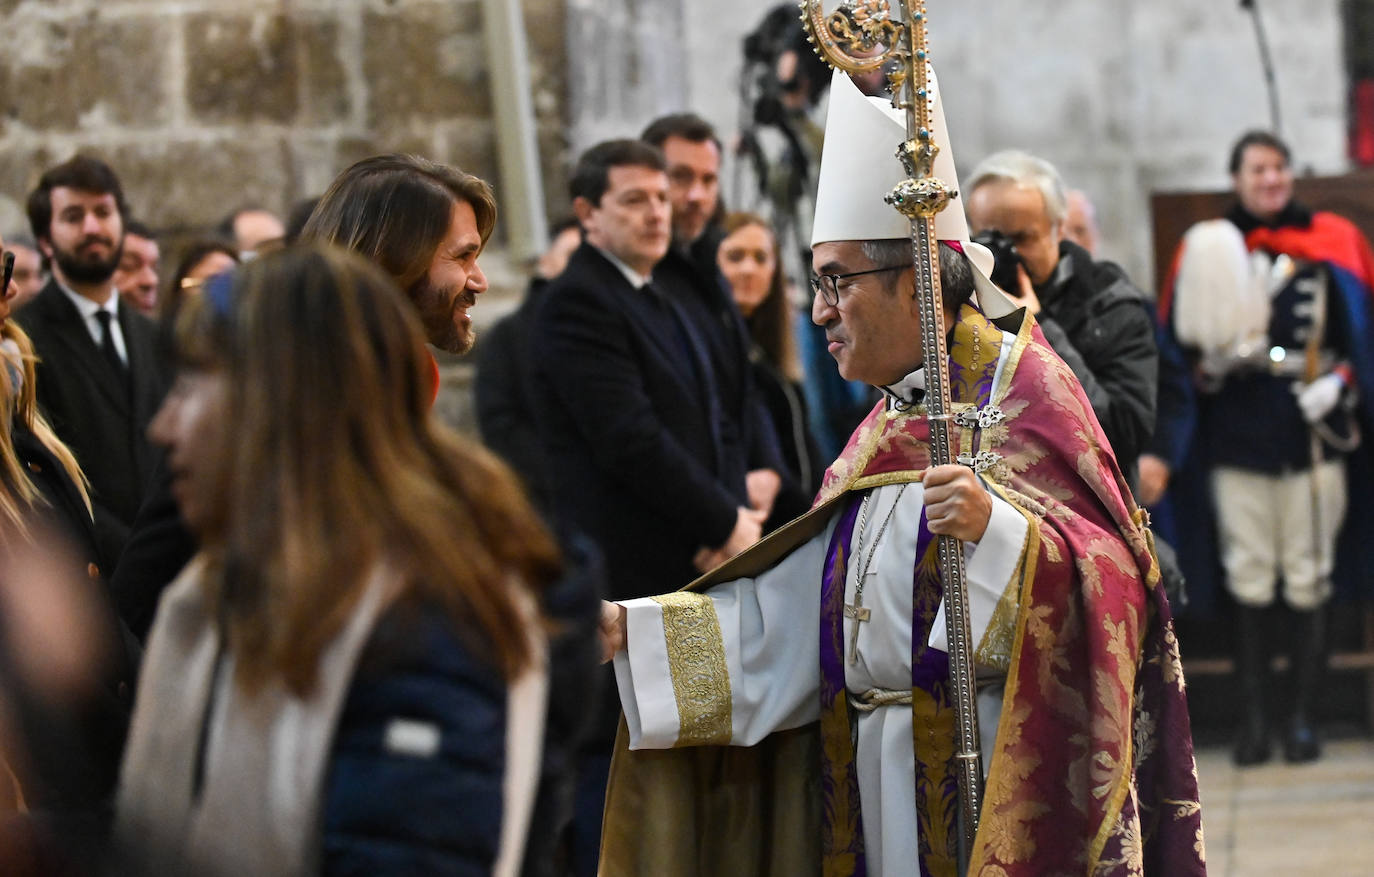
{"points": [[66, 666], [748, 257]]}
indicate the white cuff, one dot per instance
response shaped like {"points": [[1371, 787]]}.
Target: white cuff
{"points": [[641, 675], [988, 568]]}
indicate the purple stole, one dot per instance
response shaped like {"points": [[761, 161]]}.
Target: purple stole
{"points": [[973, 358]]}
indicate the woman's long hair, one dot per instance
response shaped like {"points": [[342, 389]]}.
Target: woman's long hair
{"points": [[337, 465], [18, 495], [771, 323]]}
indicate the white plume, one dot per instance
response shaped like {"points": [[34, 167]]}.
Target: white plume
{"points": [[1221, 294]]}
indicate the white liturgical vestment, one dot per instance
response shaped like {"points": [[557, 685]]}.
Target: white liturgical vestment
{"points": [[770, 632]]}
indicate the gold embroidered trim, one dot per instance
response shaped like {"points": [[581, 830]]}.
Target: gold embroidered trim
{"points": [[995, 648], [1013, 360], [996, 822], [868, 482], [869, 446], [994, 651], [932, 737], [696, 661]]}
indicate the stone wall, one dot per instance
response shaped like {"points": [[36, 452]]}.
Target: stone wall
{"points": [[1126, 98], [627, 64], [202, 106], [1129, 99]]}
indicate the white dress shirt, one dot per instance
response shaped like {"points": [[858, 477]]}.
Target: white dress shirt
{"points": [[88, 310]]}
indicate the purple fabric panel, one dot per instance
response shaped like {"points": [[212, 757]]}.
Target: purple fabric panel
{"points": [[839, 782]]}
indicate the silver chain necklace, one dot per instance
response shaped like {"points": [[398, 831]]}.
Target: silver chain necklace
{"points": [[857, 611]]}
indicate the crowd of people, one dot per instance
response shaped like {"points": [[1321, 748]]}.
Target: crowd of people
{"points": [[263, 613]]}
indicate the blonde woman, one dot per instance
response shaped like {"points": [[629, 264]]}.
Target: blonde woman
{"points": [[66, 668]]}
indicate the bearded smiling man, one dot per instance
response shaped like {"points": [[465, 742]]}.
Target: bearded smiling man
{"points": [[422, 222]]}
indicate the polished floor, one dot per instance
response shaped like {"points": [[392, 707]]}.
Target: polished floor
{"points": [[1290, 820]]}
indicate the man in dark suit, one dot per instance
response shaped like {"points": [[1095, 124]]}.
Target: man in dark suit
{"points": [[692, 153], [99, 378], [505, 390], [635, 437]]}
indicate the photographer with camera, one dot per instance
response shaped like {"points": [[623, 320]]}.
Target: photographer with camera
{"points": [[1098, 322]]}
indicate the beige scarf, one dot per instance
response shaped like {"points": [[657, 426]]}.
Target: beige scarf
{"points": [[266, 755]]}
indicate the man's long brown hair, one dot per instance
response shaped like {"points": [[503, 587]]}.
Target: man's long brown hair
{"points": [[337, 465], [396, 209]]}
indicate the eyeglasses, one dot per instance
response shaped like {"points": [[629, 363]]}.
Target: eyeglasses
{"points": [[828, 285], [8, 270]]}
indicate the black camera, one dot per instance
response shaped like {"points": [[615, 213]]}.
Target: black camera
{"points": [[1004, 259]]}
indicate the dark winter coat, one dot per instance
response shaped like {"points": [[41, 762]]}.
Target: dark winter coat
{"points": [[1103, 327]]}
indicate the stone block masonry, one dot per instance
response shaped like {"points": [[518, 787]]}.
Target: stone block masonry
{"points": [[205, 105]]}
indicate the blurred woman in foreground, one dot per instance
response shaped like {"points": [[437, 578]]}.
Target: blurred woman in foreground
{"points": [[348, 678], [748, 257], [66, 667]]}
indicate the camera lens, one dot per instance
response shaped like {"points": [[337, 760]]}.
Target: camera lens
{"points": [[1005, 258]]}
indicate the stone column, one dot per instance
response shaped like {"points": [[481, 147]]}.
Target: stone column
{"points": [[626, 65]]}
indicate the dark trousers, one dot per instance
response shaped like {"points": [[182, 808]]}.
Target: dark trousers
{"points": [[588, 804]]}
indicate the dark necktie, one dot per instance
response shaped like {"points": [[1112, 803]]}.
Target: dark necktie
{"points": [[107, 345]]}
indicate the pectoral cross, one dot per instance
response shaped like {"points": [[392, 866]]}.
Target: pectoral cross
{"points": [[859, 614]]}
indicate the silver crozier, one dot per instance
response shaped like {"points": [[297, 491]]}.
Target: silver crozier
{"points": [[861, 36]]}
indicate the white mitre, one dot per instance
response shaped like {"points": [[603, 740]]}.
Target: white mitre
{"points": [[859, 165]]}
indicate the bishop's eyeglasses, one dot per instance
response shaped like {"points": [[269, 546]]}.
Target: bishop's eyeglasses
{"points": [[8, 270], [828, 285]]}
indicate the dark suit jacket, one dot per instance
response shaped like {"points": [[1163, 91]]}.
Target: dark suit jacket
{"points": [[505, 394], [709, 299], [633, 458], [91, 409], [74, 746], [159, 545]]}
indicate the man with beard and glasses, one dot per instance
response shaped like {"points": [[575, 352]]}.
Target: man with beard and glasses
{"points": [[99, 378]]}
